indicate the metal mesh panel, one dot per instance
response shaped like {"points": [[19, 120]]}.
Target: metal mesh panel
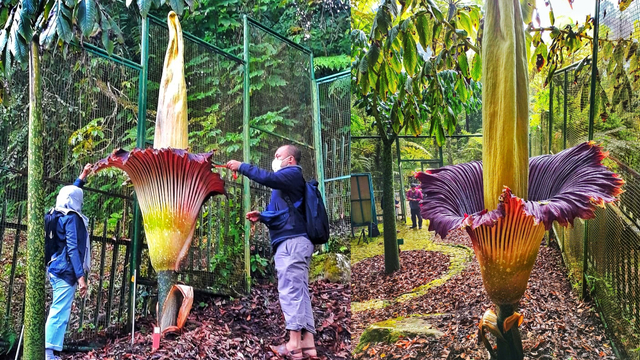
{"points": [[578, 107], [89, 108], [613, 236], [215, 261], [614, 248], [281, 111], [335, 117], [557, 120], [462, 150]]}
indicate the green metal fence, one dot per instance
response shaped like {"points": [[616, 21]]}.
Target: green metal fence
{"points": [[602, 254], [244, 108], [334, 97]]}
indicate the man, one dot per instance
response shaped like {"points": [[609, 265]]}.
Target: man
{"points": [[70, 264], [290, 244], [414, 196]]}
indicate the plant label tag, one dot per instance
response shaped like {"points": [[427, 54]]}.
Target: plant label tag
{"points": [[156, 338]]}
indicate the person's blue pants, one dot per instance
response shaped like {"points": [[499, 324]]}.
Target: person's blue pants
{"points": [[293, 257], [59, 313]]}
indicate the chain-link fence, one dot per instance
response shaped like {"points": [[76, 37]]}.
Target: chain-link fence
{"points": [[92, 102], [334, 95], [609, 261]]}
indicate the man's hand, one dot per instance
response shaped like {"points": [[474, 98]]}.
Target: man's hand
{"points": [[253, 216], [82, 286], [233, 165], [86, 171]]}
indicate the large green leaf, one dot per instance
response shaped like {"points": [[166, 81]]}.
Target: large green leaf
{"points": [[476, 69], [20, 36], [465, 22], [30, 7], [618, 53], [425, 30], [461, 90], [607, 50], [373, 55], [527, 7], [624, 4], [463, 63], [392, 79], [395, 62], [410, 56], [144, 6], [87, 16], [177, 6]]}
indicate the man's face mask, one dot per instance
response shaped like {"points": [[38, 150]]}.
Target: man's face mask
{"points": [[276, 164]]}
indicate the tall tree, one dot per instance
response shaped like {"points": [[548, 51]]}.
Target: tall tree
{"points": [[402, 67]]}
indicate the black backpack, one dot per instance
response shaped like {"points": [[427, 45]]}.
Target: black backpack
{"points": [[51, 239], [315, 214]]}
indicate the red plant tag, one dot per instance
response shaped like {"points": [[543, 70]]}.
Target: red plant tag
{"points": [[156, 338]]}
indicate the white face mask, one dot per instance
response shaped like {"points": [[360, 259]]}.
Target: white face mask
{"points": [[276, 165]]}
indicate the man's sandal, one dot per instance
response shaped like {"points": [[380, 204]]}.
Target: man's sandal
{"points": [[310, 357], [283, 352]]}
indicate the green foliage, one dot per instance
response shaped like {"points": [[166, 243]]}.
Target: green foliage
{"points": [[334, 63], [405, 63]]}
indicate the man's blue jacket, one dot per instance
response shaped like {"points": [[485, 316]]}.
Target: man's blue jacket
{"points": [[287, 182], [68, 265]]}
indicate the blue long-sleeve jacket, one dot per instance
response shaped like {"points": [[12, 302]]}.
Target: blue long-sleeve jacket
{"points": [[68, 264], [286, 182]]}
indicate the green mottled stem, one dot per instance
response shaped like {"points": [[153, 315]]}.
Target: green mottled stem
{"points": [[391, 257], [166, 280], [511, 348], [34, 320]]}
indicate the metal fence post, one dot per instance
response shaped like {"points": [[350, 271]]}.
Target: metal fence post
{"points": [[140, 143], [564, 125], [246, 193], [550, 117], [592, 115], [317, 135], [317, 129]]}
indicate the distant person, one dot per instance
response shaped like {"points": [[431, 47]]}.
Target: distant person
{"points": [[290, 244], [396, 207], [414, 196], [70, 264]]}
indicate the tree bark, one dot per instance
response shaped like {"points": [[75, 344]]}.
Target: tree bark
{"points": [[391, 257], [34, 318]]}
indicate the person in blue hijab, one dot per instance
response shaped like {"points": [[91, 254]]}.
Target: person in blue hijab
{"points": [[69, 266]]}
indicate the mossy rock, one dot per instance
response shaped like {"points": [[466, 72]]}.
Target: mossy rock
{"points": [[330, 266], [389, 331]]}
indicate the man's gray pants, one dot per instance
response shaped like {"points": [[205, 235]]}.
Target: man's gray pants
{"points": [[293, 257]]}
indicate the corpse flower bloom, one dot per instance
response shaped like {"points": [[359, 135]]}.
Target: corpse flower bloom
{"points": [[507, 208], [170, 183]]}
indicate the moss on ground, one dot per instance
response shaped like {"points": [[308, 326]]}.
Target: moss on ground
{"points": [[391, 330], [331, 267], [459, 256]]}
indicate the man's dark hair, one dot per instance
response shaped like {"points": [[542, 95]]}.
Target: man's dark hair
{"points": [[292, 150]]}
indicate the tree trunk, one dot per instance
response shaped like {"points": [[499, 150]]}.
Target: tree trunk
{"points": [[511, 348], [34, 319], [391, 258]]}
